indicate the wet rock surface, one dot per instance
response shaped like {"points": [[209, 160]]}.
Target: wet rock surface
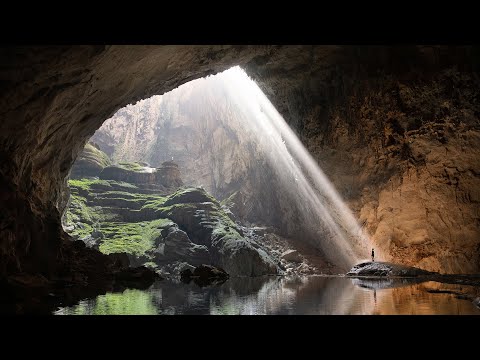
{"points": [[205, 275], [386, 269]]}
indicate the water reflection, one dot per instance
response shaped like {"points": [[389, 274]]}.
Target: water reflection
{"points": [[277, 295]]}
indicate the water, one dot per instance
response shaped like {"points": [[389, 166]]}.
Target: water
{"points": [[313, 295]]}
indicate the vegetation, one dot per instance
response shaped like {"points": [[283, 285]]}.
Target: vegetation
{"points": [[190, 195], [133, 238], [88, 185], [92, 154], [132, 166], [102, 207], [81, 216]]}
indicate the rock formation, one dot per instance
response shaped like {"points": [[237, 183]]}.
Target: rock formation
{"points": [[395, 128], [140, 211], [386, 269]]}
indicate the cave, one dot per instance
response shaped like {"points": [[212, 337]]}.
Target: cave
{"points": [[395, 128]]}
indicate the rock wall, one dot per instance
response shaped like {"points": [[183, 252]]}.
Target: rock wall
{"points": [[397, 132], [195, 125]]}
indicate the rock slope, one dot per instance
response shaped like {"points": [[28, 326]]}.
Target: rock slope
{"points": [[163, 227]]}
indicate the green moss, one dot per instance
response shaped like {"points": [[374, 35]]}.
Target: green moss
{"points": [[86, 183], [87, 186], [129, 195], [92, 154], [81, 216], [155, 204], [193, 209], [190, 195], [132, 166], [132, 238]]}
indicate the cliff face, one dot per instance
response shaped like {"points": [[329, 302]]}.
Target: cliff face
{"points": [[353, 106], [397, 132], [399, 140], [194, 125], [202, 129]]}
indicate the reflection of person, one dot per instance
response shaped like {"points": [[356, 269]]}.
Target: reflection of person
{"points": [[373, 255]]}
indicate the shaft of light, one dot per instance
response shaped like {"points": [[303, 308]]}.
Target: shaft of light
{"points": [[341, 238]]}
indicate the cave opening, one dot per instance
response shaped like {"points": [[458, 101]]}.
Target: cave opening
{"points": [[164, 179], [399, 141]]}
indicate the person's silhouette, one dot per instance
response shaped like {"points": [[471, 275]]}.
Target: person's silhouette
{"points": [[373, 255]]}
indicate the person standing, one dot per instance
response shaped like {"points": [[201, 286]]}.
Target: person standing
{"points": [[373, 255]]}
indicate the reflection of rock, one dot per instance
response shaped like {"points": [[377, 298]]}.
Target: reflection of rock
{"points": [[386, 283], [292, 255], [386, 269]]}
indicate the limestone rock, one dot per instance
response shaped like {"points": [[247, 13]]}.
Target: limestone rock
{"points": [[205, 275], [178, 246], [386, 269], [90, 162]]}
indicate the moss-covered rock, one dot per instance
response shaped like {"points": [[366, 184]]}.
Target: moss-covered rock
{"points": [[190, 195], [188, 226], [165, 177], [137, 238], [90, 162]]}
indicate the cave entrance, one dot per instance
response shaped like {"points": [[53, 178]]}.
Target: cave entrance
{"points": [[174, 180]]}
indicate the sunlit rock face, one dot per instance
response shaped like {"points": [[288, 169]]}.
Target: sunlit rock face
{"points": [[394, 128], [397, 132], [201, 128]]}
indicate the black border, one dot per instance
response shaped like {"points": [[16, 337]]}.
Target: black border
{"points": [[238, 23]]}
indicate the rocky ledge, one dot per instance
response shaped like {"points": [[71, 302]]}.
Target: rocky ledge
{"points": [[386, 269]]}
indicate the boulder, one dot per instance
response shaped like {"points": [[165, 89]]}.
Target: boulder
{"points": [[178, 246], [204, 275], [90, 162], [239, 258], [141, 277], [209, 271], [386, 269]]}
